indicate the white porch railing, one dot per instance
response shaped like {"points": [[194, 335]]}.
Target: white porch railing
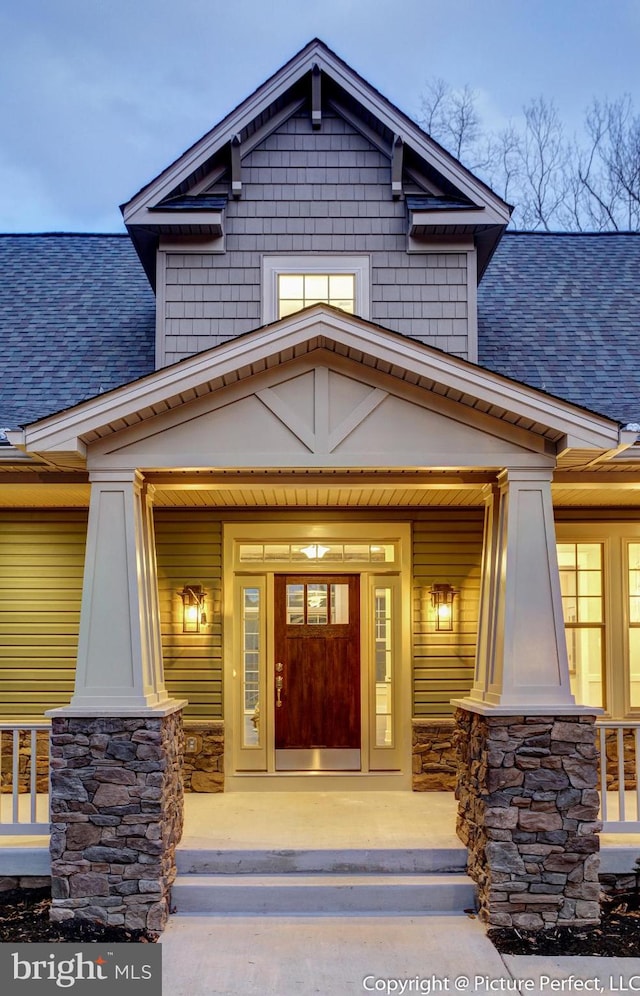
{"points": [[620, 776], [23, 810]]}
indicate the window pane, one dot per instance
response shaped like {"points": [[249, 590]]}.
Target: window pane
{"points": [[291, 285], [295, 604], [567, 555], [316, 288], [384, 666], [584, 647], [317, 605], [289, 307], [341, 285], [634, 668], [339, 603], [589, 556], [583, 606], [251, 665]]}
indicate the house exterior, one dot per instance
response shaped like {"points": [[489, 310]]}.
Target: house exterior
{"points": [[313, 457]]}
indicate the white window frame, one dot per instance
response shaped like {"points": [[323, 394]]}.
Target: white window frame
{"points": [[274, 266]]}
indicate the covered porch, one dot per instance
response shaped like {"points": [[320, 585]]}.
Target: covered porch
{"points": [[326, 410]]}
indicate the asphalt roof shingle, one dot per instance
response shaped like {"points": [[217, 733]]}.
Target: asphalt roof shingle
{"points": [[561, 312], [77, 317]]}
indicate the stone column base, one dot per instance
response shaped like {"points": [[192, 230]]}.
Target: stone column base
{"points": [[528, 811], [116, 818]]}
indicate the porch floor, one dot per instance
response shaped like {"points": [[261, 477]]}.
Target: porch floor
{"points": [[272, 821], [318, 820]]}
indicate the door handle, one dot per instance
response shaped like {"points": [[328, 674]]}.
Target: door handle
{"points": [[279, 684]]}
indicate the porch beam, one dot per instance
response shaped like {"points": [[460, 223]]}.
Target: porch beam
{"points": [[250, 482]]}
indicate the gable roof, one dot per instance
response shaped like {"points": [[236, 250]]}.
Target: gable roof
{"points": [[562, 312], [292, 87], [489, 396], [77, 317]]}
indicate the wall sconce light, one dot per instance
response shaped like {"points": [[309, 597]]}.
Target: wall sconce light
{"points": [[193, 614], [442, 596]]}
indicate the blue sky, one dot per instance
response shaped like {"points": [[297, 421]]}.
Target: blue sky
{"points": [[97, 96]]}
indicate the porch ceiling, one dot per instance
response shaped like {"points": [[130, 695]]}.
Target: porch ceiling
{"points": [[277, 489]]}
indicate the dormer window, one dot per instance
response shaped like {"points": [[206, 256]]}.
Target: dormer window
{"points": [[290, 283], [299, 290]]}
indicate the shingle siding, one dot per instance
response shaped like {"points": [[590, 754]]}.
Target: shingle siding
{"points": [[326, 192]]}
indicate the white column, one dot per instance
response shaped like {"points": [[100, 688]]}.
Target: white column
{"points": [[488, 594], [522, 655], [119, 670]]}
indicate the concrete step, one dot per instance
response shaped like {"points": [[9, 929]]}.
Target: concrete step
{"points": [[323, 893], [398, 861]]}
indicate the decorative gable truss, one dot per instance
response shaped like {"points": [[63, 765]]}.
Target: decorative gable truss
{"points": [[190, 196]]}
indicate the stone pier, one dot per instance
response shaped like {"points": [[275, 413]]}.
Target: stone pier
{"points": [[116, 818], [528, 811]]}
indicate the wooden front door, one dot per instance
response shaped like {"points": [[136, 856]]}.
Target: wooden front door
{"points": [[317, 672]]}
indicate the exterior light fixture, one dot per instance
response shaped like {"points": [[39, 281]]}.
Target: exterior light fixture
{"points": [[442, 596], [314, 551], [193, 614]]}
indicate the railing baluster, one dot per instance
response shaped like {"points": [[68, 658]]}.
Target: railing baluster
{"points": [[603, 773], [33, 781], [636, 756], [15, 784], [14, 818], [621, 798], [623, 821]]}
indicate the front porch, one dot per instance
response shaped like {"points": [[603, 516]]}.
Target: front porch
{"points": [[229, 826]]}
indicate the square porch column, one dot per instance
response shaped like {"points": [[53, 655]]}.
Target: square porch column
{"points": [[116, 749], [527, 772]]}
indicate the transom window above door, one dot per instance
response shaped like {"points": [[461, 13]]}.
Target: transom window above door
{"points": [[290, 283]]}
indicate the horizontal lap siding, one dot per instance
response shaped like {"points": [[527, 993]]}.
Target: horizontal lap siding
{"points": [[189, 551], [447, 548], [41, 571], [325, 191]]}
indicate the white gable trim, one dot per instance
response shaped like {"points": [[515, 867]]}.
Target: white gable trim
{"points": [[135, 211], [320, 327]]}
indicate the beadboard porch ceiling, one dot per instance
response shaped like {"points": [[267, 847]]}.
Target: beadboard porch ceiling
{"points": [[279, 489]]}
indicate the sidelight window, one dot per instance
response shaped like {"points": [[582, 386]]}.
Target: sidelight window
{"points": [[583, 606]]}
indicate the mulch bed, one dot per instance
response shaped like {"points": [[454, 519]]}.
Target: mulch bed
{"points": [[24, 916], [617, 936]]}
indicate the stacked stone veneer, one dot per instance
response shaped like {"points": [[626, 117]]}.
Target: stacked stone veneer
{"points": [[116, 818], [434, 757], [527, 811], [204, 757]]}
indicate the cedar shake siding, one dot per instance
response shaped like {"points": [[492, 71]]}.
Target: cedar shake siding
{"points": [[324, 192]]}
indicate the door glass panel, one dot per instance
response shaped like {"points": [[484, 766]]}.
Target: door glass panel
{"points": [[251, 651], [634, 624], [339, 603], [317, 605], [384, 666], [295, 605]]}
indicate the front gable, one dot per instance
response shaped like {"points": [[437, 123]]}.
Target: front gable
{"points": [[322, 390], [319, 411]]}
